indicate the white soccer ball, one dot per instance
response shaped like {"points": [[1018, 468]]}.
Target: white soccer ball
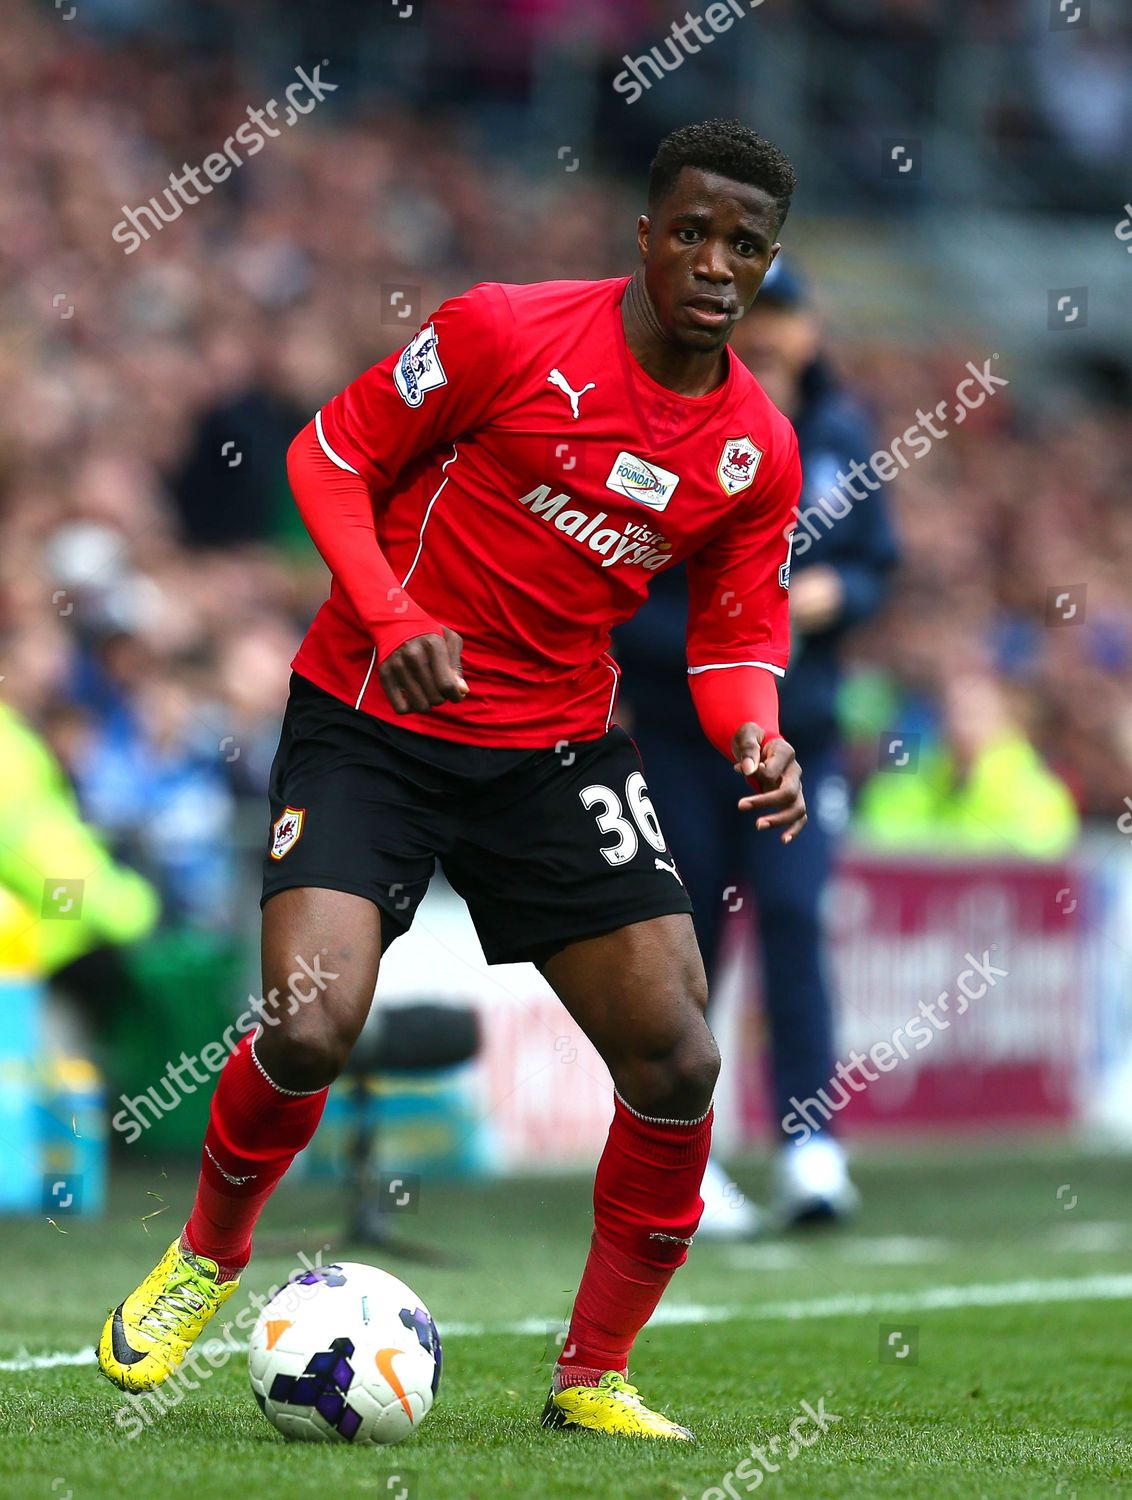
{"points": [[345, 1353]]}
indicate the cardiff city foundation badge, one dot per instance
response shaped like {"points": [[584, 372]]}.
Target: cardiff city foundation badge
{"points": [[738, 464], [285, 830]]}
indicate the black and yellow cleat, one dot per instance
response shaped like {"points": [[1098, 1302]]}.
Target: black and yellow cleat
{"points": [[610, 1406], [147, 1336]]}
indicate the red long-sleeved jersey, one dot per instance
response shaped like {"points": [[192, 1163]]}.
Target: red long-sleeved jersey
{"points": [[525, 478]]}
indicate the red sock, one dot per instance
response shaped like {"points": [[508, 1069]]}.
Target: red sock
{"points": [[255, 1130], [647, 1207]]}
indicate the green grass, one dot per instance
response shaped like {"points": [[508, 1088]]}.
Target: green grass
{"points": [[1026, 1400]]}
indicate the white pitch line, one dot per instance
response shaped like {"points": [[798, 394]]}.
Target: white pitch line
{"points": [[869, 1250], [937, 1298], [892, 1249], [26, 1361], [1093, 1237], [929, 1299], [769, 1257], [943, 1298]]}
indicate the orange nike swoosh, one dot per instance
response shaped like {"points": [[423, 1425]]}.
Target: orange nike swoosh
{"points": [[383, 1359], [276, 1328]]}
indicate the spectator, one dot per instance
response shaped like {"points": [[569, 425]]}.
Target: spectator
{"points": [[981, 789]]}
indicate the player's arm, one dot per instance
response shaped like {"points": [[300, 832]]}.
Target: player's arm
{"points": [[351, 455], [337, 509], [739, 645]]}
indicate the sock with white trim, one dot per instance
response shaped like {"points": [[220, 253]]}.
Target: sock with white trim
{"points": [[255, 1131], [647, 1207]]}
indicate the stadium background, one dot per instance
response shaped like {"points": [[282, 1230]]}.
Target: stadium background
{"points": [[155, 578]]}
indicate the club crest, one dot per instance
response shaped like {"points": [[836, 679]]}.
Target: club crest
{"points": [[738, 464], [286, 829]]}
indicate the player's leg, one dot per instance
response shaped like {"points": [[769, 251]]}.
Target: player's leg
{"points": [[698, 793], [348, 858], [553, 851], [639, 994], [811, 1180], [321, 950]]}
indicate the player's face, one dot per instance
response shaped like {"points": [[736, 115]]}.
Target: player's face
{"points": [[706, 249]]}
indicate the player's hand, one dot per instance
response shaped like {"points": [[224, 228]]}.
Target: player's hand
{"points": [[779, 802], [424, 672]]}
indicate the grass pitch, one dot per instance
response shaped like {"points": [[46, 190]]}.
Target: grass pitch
{"points": [[1004, 1276]]}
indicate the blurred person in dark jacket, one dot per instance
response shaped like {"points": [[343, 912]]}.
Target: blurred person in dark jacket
{"points": [[839, 578]]}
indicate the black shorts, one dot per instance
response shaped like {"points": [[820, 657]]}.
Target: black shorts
{"points": [[545, 846]]}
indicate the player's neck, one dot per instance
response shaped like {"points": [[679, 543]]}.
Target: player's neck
{"points": [[685, 371]]}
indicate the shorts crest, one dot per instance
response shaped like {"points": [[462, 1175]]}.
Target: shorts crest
{"points": [[286, 829]]}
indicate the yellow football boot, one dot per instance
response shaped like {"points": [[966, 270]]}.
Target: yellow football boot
{"points": [[147, 1336], [610, 1406]]}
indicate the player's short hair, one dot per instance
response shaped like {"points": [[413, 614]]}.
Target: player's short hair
{"points": [[729, 148]]}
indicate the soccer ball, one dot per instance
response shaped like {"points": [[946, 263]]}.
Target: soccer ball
{"points": [[345, 1353]]}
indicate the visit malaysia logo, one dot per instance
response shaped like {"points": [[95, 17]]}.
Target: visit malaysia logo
{"points": [[634, 543]]}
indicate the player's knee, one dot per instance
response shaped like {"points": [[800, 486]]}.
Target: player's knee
{"points": [[695, 1069], [673, 1076], [308, 1053]]}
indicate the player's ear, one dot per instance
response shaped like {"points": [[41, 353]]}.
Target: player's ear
{"points": [[774, 249], [643, 236]]}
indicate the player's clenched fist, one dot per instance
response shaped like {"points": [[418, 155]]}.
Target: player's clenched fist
{"points": [[424, 672], [779, 802]]}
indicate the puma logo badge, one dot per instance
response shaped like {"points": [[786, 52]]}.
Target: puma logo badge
{"points": [[557, 378], [662, 864]]}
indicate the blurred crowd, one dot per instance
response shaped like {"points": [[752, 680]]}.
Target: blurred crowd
{"points": [[1017, 536], [154, 579]]}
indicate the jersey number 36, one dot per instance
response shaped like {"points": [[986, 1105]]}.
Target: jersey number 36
{"points": [[610, 818]]}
